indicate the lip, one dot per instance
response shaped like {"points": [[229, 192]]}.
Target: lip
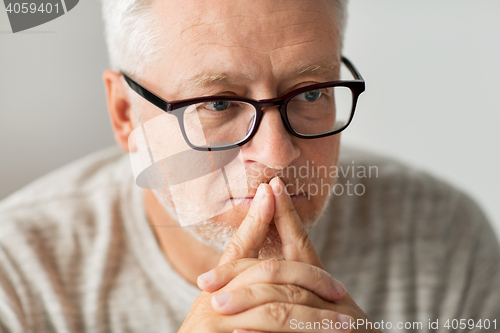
{"points": [[247, 201]]}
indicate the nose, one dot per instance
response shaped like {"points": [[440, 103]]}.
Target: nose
{"points": [[272, 145]]}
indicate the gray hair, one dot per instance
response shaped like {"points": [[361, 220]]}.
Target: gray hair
{"points": [[132, 36]]}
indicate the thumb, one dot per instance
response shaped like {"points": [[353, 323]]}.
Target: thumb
{"points": [[247, 241]]}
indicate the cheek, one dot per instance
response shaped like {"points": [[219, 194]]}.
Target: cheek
{"points": [[142, 112], [323, 151], [321, 155]]}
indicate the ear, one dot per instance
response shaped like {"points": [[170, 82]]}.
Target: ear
{"points": [[119, 107]]}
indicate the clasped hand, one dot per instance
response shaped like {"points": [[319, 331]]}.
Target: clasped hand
{"points": [[245, 294]]}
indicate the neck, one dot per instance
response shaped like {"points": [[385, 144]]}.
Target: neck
{"points": [[189, 257]]}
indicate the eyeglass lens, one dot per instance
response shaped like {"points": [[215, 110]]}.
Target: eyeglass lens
{"points": [[218, 123]]}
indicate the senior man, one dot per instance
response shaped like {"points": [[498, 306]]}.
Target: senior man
{"points": [[86, 250]]}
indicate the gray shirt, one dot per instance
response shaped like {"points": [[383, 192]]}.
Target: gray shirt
{"points": [[77, 253]]}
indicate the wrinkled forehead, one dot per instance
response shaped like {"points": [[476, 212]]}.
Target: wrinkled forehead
{"points": [[252, 36], [257, 23]]}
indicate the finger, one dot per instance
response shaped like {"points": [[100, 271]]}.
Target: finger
{"points": [[303, 275], [242, 299], [218, 277], [285, 317], [247, 241], [296, 244]]}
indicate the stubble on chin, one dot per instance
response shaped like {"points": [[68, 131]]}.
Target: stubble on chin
{"points": [[217, 235], [216, 232]]}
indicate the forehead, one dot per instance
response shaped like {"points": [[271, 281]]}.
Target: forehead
{"points": [[246, 40]]}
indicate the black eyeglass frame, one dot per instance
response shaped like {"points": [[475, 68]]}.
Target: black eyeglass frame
{"points": [[177, 108]]}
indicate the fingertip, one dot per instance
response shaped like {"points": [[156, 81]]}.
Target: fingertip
{"points": [[205, 279], [264, 201], [340, 289], [267, 189], [278, 188], [261, 192], [345, 322], [220, 301], [275, 184], [337, 290]]}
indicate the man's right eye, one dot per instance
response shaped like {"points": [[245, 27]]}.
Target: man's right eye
{"points": [[217, 105]]}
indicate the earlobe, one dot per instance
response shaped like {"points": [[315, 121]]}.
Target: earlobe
{"points": [[119, 107]]}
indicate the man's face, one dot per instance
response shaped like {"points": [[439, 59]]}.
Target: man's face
{"points": [[258, 49]]}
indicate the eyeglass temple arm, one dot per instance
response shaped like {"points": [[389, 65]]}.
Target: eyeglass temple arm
{"points": [[148, 95], [351, 68], [164, 105]]}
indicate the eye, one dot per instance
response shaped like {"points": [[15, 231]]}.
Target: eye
{"points": [[310, 96], [217, 105]]}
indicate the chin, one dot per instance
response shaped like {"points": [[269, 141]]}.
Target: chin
{"points": [[218, 231], [218, 236]]}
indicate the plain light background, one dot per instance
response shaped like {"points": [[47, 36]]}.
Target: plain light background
{"points": [[432, 100]]}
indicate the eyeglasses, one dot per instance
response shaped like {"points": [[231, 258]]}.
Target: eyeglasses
{"points": [[215, 123]]}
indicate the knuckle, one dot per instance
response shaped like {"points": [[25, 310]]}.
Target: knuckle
{"points": [[295, 294], [270, 268], [235, 247], [248, 294], [232, 265], [226, 271], [251, 218], [290, 210], [302, 241], [279, 312], [317, 273], [287, 212], [319, 277], [276, 259]]}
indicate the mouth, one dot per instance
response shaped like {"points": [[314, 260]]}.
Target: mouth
{"points": [[247, 201]]}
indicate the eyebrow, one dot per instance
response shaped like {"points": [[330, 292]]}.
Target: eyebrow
{"points": [[320, 68], [209, 78], [205, 79]]}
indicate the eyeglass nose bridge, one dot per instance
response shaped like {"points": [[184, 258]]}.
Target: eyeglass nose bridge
{"points": [[266, 103], [269, 103]]}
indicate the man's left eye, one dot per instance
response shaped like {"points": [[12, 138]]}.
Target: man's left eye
{"points": [[310, 96]]}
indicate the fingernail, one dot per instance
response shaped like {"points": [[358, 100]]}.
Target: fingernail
{"points": [[261, 192], [207, 277], [339, 288], [345, 322], [222, 299], [275, 184]]}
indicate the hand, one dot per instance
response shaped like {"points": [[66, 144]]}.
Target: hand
{"points": [[265, 295], [296, 247]]}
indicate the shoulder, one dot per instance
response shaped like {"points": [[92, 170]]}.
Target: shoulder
{"points": [[78, 178], [70, 204], [402, 200], [63, 238], [408, 232]]}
